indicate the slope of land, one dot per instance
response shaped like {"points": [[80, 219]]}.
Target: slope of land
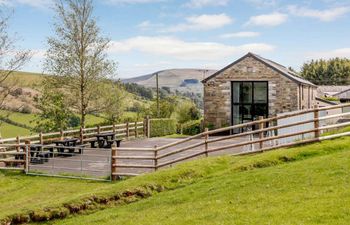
{"points": [[183, 80], [303, 185]]}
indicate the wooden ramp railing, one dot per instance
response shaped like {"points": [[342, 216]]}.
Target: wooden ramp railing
{"points": [[134, 161]]}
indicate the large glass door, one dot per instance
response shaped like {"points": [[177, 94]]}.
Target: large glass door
{"points": [[249, 100]]}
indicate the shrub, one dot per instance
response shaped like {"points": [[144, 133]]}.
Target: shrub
{"points": [[187, 111], [191, 127], [162, 127], [25, 109]]}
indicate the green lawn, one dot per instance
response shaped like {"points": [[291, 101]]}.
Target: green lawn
{"points": [[303, 185], [314, 191], [9, 130], [22, 118]]}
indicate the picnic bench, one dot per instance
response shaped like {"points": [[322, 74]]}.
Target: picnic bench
{"points": [[70, 144], [105, 140]]}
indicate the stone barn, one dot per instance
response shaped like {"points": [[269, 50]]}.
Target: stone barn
{"points": [[251, 87]]}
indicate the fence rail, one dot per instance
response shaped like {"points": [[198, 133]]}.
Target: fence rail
{"points": [[127, 130], [265, 138]]}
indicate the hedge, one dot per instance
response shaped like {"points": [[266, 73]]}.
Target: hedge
{"points": [[192, 127], [162, 127]]}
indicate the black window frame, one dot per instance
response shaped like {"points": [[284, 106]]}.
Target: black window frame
{"points": [[252, 104]]}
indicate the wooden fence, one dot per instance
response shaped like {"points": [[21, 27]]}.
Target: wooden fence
{"points": [[264, 131], [126, 130], [13, 151]]}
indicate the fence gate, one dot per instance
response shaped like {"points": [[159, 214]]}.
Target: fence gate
{"points": [[69, 162]]}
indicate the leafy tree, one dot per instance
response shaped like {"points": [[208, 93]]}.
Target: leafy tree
{"points": [[54, 111], [77, 55], [187, 111], [327, 72], [112, 103], [166, 108], [139, 90]]}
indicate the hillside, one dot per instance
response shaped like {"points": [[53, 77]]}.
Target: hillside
{"points": [[183, 80], [301, 185], [18, 115]]}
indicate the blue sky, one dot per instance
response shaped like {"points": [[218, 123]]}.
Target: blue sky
{"points": [[150, 35]]}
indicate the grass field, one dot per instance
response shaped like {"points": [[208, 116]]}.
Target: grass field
{"points": [[11, 130], [302, 185]]}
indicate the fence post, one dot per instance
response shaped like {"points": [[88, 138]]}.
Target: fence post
{"points": [[41, 137], [27, 155], [148, 127], [155, 158], [127, 131], [26, 159], [98, 129], [261, 134], [114, 163], [18, 141], [136, 133], [62, 134], [114, 129], [81, 135], [316, 122], [206, 137]]}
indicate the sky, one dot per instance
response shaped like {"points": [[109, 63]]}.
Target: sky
{"points": [[151, 35]]}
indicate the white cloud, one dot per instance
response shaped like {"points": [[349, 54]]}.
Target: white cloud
{"points": [[273, 19], [201, 22], [179, 49], [33, 3], [203, 3], [146, 25], [341, 53], [263, 3], [133, 1], [323, 15], [243, 34]]}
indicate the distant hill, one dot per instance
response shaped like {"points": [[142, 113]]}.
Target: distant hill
{"points": [[183, 80]]}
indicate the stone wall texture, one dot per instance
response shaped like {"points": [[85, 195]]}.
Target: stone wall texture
{"points": [[284, 95]]}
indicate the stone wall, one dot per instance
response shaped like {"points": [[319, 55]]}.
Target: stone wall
{"points": [[283, 92]]}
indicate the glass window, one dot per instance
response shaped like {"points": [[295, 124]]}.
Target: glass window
{"points": [[236, 87], [260, 92], [247, 92]]}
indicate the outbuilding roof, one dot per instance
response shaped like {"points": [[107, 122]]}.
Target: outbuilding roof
{"points": [[277, 67]]}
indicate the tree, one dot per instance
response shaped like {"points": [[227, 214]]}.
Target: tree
{"points": [[77, 55], [112, 103], [327, 72], [54, 111], [11, 59], [187, 111], [166, 108]]}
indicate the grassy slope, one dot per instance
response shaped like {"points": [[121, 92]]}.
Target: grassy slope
{"points": [[313, 191], [9, 130], [216, 186]]}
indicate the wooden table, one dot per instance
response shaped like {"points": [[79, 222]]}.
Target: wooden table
{"points": [[105, 139], [68, 142]]}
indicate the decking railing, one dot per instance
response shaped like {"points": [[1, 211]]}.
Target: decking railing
{"points": [[257, 136]]}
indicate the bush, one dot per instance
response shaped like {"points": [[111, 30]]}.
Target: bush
{"points": [[162, 127], [25, 109], [187, 111], [191, 127]]}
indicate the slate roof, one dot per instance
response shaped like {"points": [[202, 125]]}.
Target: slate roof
{"points": [[343, 94], [332, 90], [277, 67]]}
